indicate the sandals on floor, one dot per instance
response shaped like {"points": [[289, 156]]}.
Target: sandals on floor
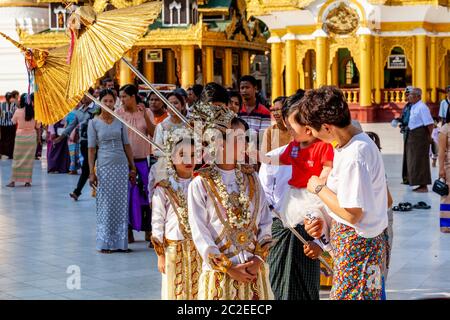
{"points": [[422, 205], [403, 207]]}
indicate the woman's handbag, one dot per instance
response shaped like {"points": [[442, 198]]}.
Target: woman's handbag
{"points": [[440, 187]]}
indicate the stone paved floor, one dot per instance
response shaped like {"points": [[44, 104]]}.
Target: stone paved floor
{"points": [[43, 233]]}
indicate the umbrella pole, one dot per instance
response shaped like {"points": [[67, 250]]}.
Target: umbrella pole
{"points": [[140, 134], [159, 94], [299, 236]]}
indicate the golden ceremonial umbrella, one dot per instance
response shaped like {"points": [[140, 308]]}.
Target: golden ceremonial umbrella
{"points": [[51, 73], [100, 39]]}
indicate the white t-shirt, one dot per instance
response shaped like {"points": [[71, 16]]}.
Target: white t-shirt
{"points": [[420, 116], [358, 178]]}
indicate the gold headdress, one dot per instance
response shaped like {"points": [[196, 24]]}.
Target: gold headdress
{"points": [[164, 166], [212, 116]]}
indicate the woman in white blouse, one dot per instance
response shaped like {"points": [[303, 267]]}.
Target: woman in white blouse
{"points": [[355, 194]]}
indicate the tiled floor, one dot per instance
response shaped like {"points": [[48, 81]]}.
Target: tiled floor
{"points": [[43, 233]]}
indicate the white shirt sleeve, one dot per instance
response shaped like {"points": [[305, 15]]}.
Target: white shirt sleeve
{"points": [[353, 185], [265, 217], [267, 181], [160, 206], [425, 115], [198, 220]]}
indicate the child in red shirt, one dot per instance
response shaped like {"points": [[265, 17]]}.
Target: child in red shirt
{"points": [[308, 157]]}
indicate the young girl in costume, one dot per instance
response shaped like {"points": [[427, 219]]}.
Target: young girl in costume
{"points": [[178, 260]]}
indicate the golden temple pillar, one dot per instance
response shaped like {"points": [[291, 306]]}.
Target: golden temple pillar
{"points": [[433, 70], [277, 81], [228, 68], [149, 71], [291, 66], [308, 71], [125, 73], [170, 65], [365, 74], [209, 65], [421, 65], [443, 74], [187, 66], [335, 71], [301, 72], [245, 63], [321, 61], [378, 69]]}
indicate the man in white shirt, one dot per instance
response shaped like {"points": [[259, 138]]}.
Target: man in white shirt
{"points": [[443, 109], [418, 142]]}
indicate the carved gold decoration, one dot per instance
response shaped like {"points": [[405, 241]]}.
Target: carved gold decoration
{"points": [[100, 5], [350, 43], [264, 7], [389, 43], [341, 20], [357, 4], [443, 45], [45, 40], [302, 49]]}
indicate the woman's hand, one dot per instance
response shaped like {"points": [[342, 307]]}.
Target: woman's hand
{"points": [[239, 272], [93, 180], [312, 250], [442, 173], [132, 176], [314, 227], [162, 264]]}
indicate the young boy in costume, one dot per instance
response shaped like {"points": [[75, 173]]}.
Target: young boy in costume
{"points": [[228, 214]]}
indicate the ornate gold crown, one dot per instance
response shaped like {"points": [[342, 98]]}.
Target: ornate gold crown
{"points": [[212, 116], [174, 136]]}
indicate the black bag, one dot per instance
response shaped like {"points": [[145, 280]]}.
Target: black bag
{"points": [[84, 126], [440, 187]]}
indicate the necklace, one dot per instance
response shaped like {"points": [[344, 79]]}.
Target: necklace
{"points": [[236, 204], [180, 207]]}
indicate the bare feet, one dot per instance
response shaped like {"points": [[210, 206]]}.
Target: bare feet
{"points": [[421, 189]]}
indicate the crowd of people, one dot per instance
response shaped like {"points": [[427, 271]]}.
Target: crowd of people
{"points": [[218, 214]]}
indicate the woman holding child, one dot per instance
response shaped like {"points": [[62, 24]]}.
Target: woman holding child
{"points": [[355, 194]]}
